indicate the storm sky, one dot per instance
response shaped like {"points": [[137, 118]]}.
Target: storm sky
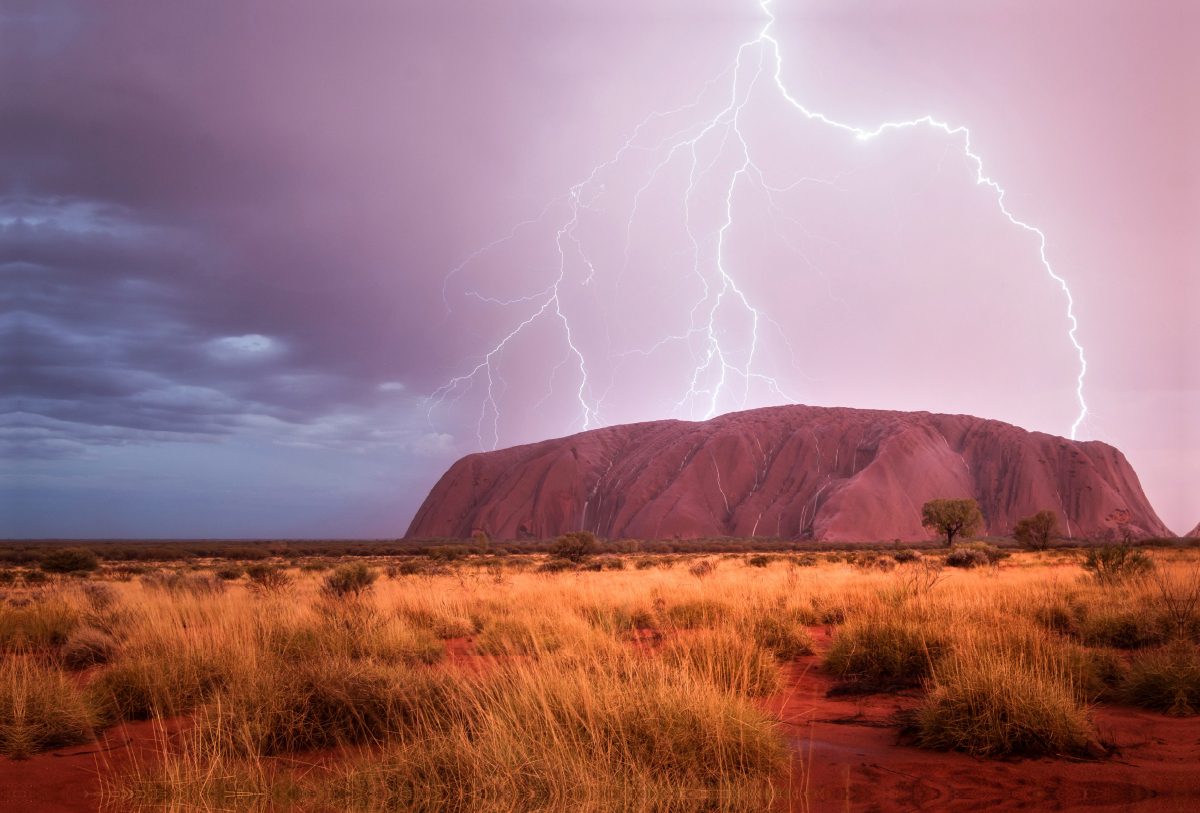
{"points": [[259, 260]]}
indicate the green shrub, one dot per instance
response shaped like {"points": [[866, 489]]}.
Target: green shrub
{"points": [[574, 546], [448, 553], [966, 558], [268, 577], [69, 560], [1115, 563], [349, 580]]}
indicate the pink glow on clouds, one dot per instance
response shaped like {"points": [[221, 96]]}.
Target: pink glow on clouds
{"points": [[310, 178]]}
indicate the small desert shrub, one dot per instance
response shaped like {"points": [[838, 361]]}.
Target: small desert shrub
{"points": [[806, 560], [760, 560], [409, 568], [125, 573], [268, 578], [1114, 563], [39, 709], [904, 556], [448, 553], [508, 636], [727, 661], [86, 647], [701, 613], [574, 546], [32, 577], [230, 573], [69, 560], [1168, 679], [986, 702], [966, 558], [349, 580], [315, 567], [885, 647], [703, 568]]}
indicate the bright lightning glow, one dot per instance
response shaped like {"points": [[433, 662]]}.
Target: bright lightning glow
{"points": [[720, 368]]}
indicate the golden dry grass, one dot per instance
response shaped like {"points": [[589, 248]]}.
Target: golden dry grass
{"points": [[569, 710]]}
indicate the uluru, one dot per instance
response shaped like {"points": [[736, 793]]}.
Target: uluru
{"points": [[793, 472]]}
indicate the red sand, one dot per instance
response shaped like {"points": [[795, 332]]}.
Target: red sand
{"points": [[68, 779], [849, 750], [853, 760]]}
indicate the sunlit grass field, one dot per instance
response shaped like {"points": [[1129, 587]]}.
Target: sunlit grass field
{"points": [[632, 683]]}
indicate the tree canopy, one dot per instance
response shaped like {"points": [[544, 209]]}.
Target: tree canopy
{"points": [[1037, 532], [952, 517]]}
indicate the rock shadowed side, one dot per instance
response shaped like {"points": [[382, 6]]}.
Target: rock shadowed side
{"points": [[794, 472]]}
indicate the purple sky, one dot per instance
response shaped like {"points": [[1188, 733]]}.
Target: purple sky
{"points": [[230, 235]]}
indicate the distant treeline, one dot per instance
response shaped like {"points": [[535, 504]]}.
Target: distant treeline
{"points": [[30, 552]]}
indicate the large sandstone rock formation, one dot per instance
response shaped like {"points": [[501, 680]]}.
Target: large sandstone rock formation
{"points": [[1194, 533], [803, 472]]}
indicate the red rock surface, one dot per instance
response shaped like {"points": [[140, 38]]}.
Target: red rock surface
{"points": [[1194, 533], [837, 474]]}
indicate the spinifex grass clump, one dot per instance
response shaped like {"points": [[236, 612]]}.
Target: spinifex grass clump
{"points": [[42, 622], [284, 706], [517, 636], [157, 681], [989, 700], [782, 632], [727, 661], [897, 645], [39, 709], [1168, 679]]}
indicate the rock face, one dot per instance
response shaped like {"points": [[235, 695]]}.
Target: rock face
{"points": [[1194, 533], [803, 472]]}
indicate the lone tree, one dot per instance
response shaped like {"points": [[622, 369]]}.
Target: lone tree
{"points": [[1037, 532], [951, 518], [574, 546]]}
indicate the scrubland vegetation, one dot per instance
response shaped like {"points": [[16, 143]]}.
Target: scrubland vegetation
{"points": [[634, 682]]}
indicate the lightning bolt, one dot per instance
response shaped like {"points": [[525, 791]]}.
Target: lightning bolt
{"points": [[720, 367]]}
